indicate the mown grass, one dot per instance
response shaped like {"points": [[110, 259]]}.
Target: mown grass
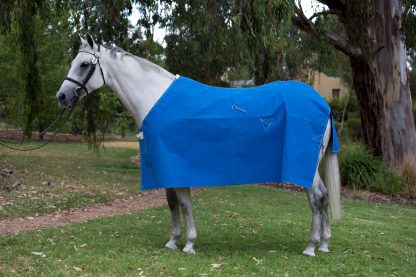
{"points": [[250, 230], [79, 177]]}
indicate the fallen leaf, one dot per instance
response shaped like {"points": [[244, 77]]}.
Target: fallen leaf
{"points": [[216, 266], [258, 261], [76, 268], [40, 254]]}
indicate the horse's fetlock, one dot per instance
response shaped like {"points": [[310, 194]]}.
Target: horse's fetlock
{"points": [[326, 236], [314, 240], [191, 237]]}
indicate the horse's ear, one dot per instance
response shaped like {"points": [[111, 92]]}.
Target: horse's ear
{"points": [[90, 40], [81, 40]]}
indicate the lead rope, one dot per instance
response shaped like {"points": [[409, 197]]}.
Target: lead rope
{"points": [[39, 135], [82, 86], [3, 142]]}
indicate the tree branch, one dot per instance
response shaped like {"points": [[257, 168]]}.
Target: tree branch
{"points": [[336, 12], [333, 4], [302, 22]]}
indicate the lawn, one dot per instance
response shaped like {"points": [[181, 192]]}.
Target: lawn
{"points": [[66, 175], [245, 230]]}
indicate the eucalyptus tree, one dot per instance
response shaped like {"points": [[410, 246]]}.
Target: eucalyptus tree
{"points": [[207, 38], [201, 42], [373, 38]]}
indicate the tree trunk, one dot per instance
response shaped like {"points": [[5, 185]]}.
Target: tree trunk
{"points": [[374, 43], [262, 70], [34, 103], [382, 87]]}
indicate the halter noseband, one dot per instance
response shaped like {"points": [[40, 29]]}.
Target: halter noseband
{"points": [[94, 62]]}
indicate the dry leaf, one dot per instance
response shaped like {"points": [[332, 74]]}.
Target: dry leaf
{"points": [[216, 266], [76, 268], [40, 254], [258, 261]]}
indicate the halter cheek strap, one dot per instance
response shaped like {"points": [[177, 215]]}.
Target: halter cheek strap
{"points": [[94, 62]]}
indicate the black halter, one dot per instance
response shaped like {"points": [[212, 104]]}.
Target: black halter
{"points": [[94, 62]]}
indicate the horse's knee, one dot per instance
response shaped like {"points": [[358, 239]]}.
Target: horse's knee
{"points": [[186, 207], [185, 202]]}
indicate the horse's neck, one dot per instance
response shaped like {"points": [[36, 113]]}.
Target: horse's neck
{"points": [[138, 83]]}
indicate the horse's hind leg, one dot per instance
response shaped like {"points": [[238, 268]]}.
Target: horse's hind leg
{"points": [[176, 223], [320, 228], [325, 225], [184, 198]]}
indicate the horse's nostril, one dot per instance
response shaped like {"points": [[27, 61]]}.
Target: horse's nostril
{"points": [[61, 97]]}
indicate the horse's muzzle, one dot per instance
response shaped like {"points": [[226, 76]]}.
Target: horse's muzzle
{"points": [[61, 97]]}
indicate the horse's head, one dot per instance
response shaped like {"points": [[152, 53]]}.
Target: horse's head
{"points": [[85, 74]]}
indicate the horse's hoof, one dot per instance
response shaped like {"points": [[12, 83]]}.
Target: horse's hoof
{"points": [[323, 249], [309, 252], [171, 246], [188, 250]]}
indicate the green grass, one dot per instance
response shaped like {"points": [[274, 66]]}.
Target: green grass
{"points": [[252, 231], [80, 177]]}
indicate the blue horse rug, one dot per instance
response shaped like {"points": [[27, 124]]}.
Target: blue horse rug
{"points": [[198, 135]]}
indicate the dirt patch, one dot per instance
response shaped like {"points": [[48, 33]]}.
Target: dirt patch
{"points": [[363, 195], [374, 197], [122, 144], [142, 201]]}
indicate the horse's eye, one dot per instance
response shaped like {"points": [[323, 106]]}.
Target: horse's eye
{"points": [[84, 64]]}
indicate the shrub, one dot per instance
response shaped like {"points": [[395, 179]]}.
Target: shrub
{"points": [[352, 129], [361, 170]]}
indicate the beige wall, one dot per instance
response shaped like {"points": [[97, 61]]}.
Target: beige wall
{"points": [[326, 85]]}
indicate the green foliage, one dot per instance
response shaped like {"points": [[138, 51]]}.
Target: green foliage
{"points": [[207, 38], [361, 170], [338, 106], [29, 48], [201, 42], [409, 23], [352, 129]]}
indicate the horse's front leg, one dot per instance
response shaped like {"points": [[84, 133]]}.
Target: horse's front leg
{"points": [[176, 222], [184, 199]]}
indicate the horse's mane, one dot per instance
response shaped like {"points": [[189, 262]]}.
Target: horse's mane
{"points": [[145, 64]]}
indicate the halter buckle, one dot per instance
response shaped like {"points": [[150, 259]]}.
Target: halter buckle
{"points": [[94, 60]]}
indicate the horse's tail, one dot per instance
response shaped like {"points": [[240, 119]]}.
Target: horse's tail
{"points": [[333, 182]]}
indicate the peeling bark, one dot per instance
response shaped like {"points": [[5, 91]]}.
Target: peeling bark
{"points": [[380, 76], [382, 88]]}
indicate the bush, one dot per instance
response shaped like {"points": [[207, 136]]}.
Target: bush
{"points": [[361, 170], [338, 105], [352, 129]]}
